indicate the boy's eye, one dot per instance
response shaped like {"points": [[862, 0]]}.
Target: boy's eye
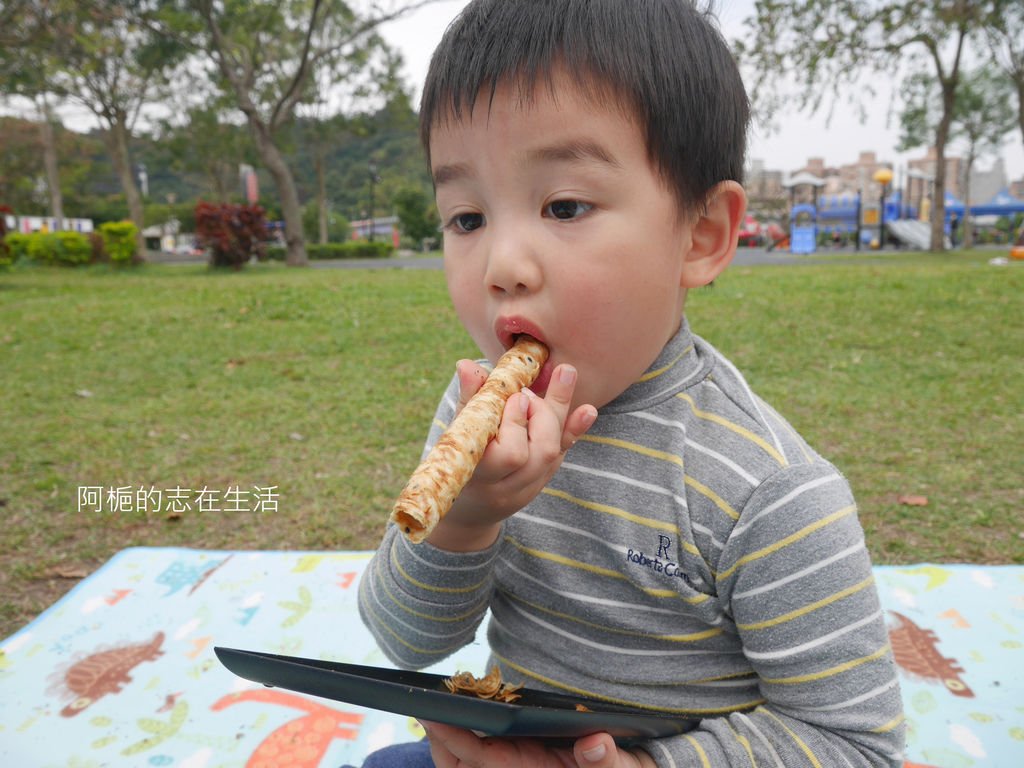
{"points": [[466, 222], [567, 209]]}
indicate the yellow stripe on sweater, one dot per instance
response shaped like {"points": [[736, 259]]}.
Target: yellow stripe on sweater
{"points": [[658, 371], [743, 707], [612, 574], [699, 750], [892, 725], [733, 427], [715, 498], [693, 637], [435, 652], [671, 458], [792, 538], [744, 742], [643, 450], [596, 506], [429, 587], [810, 607], [475, 610], [831, 671], [799, 742]]}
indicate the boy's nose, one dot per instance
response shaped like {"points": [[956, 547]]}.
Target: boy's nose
{"points": [[512, 265]]}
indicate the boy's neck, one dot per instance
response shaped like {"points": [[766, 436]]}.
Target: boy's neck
{"points": [[677, 364]]}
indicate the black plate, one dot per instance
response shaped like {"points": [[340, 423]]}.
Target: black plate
{"points": [[537, 714]]}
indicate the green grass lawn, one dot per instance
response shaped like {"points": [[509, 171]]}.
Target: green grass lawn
{"points": [[907, 373]]}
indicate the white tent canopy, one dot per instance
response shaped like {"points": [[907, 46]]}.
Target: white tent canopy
{"points": [[803, 178]]}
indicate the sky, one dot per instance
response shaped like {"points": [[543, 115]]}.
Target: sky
{"points": [[787, 147], [797, 137]]}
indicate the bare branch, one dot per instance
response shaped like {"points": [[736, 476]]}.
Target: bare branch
{"points": [[293, 92]]}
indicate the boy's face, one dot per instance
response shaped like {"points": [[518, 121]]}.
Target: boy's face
{"points": [[557, 225]]}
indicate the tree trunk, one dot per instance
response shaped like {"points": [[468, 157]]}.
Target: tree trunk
{"points": [[216, 174], [965, 222], [321, 195], [117, 140], [941, 138], [50, 167], [289, 196]]}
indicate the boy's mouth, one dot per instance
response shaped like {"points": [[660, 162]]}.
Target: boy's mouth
{"points": [[508, 329], [540, 384]]}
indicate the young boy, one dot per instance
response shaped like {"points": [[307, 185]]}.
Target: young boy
{"points": [[643, 529]]}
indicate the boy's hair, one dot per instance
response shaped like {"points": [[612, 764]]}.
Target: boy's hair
{"points": [[662, 61]]}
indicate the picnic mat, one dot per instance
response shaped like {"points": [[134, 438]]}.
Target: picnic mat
{"points": [[121, 671]]}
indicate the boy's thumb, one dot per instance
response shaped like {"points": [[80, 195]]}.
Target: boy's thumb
{"points": [[596, 751]]}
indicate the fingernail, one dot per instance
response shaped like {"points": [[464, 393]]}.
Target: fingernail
{"points": [[524, 403], [595, 754], [566, 375], [588, 418]]}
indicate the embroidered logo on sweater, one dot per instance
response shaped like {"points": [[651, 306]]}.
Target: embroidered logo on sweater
{"points": [[662, 562]]}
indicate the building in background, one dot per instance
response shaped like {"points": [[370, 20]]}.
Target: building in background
{"points": [[766, 190]]}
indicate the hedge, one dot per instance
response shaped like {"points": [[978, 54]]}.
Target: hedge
{"points": [[352, 249], [17, 246], [114, 240], [65, 248], [119, 240]]}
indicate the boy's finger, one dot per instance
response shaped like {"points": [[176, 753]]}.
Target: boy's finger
{"points": [[471, 378], [456, 747], [559, 394], [510, 448], [576, 425], [597, 750]]}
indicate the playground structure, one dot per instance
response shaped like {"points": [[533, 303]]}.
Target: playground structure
{"points": [[892, 219]]}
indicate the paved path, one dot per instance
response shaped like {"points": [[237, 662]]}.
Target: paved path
{"points": [[745, 257]]}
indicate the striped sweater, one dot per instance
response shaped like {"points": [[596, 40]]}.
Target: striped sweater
{"points": [[692, 555]]}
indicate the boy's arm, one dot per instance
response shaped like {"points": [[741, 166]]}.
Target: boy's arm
{"points": [[798, 582], [422, 603]]}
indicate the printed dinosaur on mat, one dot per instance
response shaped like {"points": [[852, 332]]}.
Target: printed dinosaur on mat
{"points": [[102, 672], [916, 651], [299, 743]]}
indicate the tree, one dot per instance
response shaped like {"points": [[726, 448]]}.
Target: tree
{"points": [[416, 213], [209, 148], [114, 66], [334, 229], [830, 45], [18, 187], [268, 55], [27, 38], [1006, 42], [983, 116]]}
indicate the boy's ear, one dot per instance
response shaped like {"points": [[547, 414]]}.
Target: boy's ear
{"points": [[714, 235]]}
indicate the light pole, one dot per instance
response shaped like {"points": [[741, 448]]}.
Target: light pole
{"points": [[883, 176]]}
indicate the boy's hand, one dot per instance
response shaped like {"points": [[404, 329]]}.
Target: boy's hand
{"points": [[456, 748], [533, 437]]}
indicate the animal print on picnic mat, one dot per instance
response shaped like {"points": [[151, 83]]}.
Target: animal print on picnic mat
{"points": [[121, 671]]}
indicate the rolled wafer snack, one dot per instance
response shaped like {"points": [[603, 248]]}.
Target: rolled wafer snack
{"points": [[440, 477]]}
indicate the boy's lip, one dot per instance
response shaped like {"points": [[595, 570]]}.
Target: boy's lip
{"points": [[507, 328]]}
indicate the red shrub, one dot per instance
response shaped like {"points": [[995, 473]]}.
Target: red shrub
{"points": [[232, 233]]}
